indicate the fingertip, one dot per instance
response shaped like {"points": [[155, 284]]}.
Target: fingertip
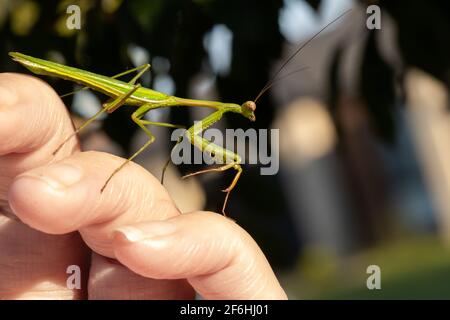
{"points": [[219, 259]]}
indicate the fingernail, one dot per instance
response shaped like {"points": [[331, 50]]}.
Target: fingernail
{"points": [[147, 231], [60, 176]]}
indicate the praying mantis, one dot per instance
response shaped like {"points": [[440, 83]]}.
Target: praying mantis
{"points": [[145, 100]]}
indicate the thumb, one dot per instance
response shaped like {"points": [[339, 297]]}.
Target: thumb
{"points": [[219, 259]]}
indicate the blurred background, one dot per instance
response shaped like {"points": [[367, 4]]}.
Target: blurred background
{"points": [[364, 131]]}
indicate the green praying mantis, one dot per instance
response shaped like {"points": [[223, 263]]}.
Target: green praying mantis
{"points": [[145, 100]]}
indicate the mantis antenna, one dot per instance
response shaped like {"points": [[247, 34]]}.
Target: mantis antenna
{"points": [[274, 77]]}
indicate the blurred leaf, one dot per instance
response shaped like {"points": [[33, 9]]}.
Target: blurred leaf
{"points": [[146, 12], [24, 15], [4, 9], [111, 6]]}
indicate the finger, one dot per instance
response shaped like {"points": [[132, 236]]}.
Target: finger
{"points": [[68, 196], [33, 121], [34, 265], [219, 259]]}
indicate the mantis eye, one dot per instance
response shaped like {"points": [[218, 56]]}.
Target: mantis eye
{"points": [[250, 105]]}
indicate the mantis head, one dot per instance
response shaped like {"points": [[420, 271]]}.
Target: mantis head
{"points": [[248, 110]]}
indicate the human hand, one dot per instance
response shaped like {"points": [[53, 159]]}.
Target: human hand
{"points": [[162, 254]]}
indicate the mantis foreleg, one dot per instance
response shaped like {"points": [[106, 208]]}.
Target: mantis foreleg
{"points": [[231, 159]]}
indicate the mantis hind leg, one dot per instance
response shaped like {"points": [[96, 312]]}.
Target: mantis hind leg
{"points": [[113, 105], [166, 165]]}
